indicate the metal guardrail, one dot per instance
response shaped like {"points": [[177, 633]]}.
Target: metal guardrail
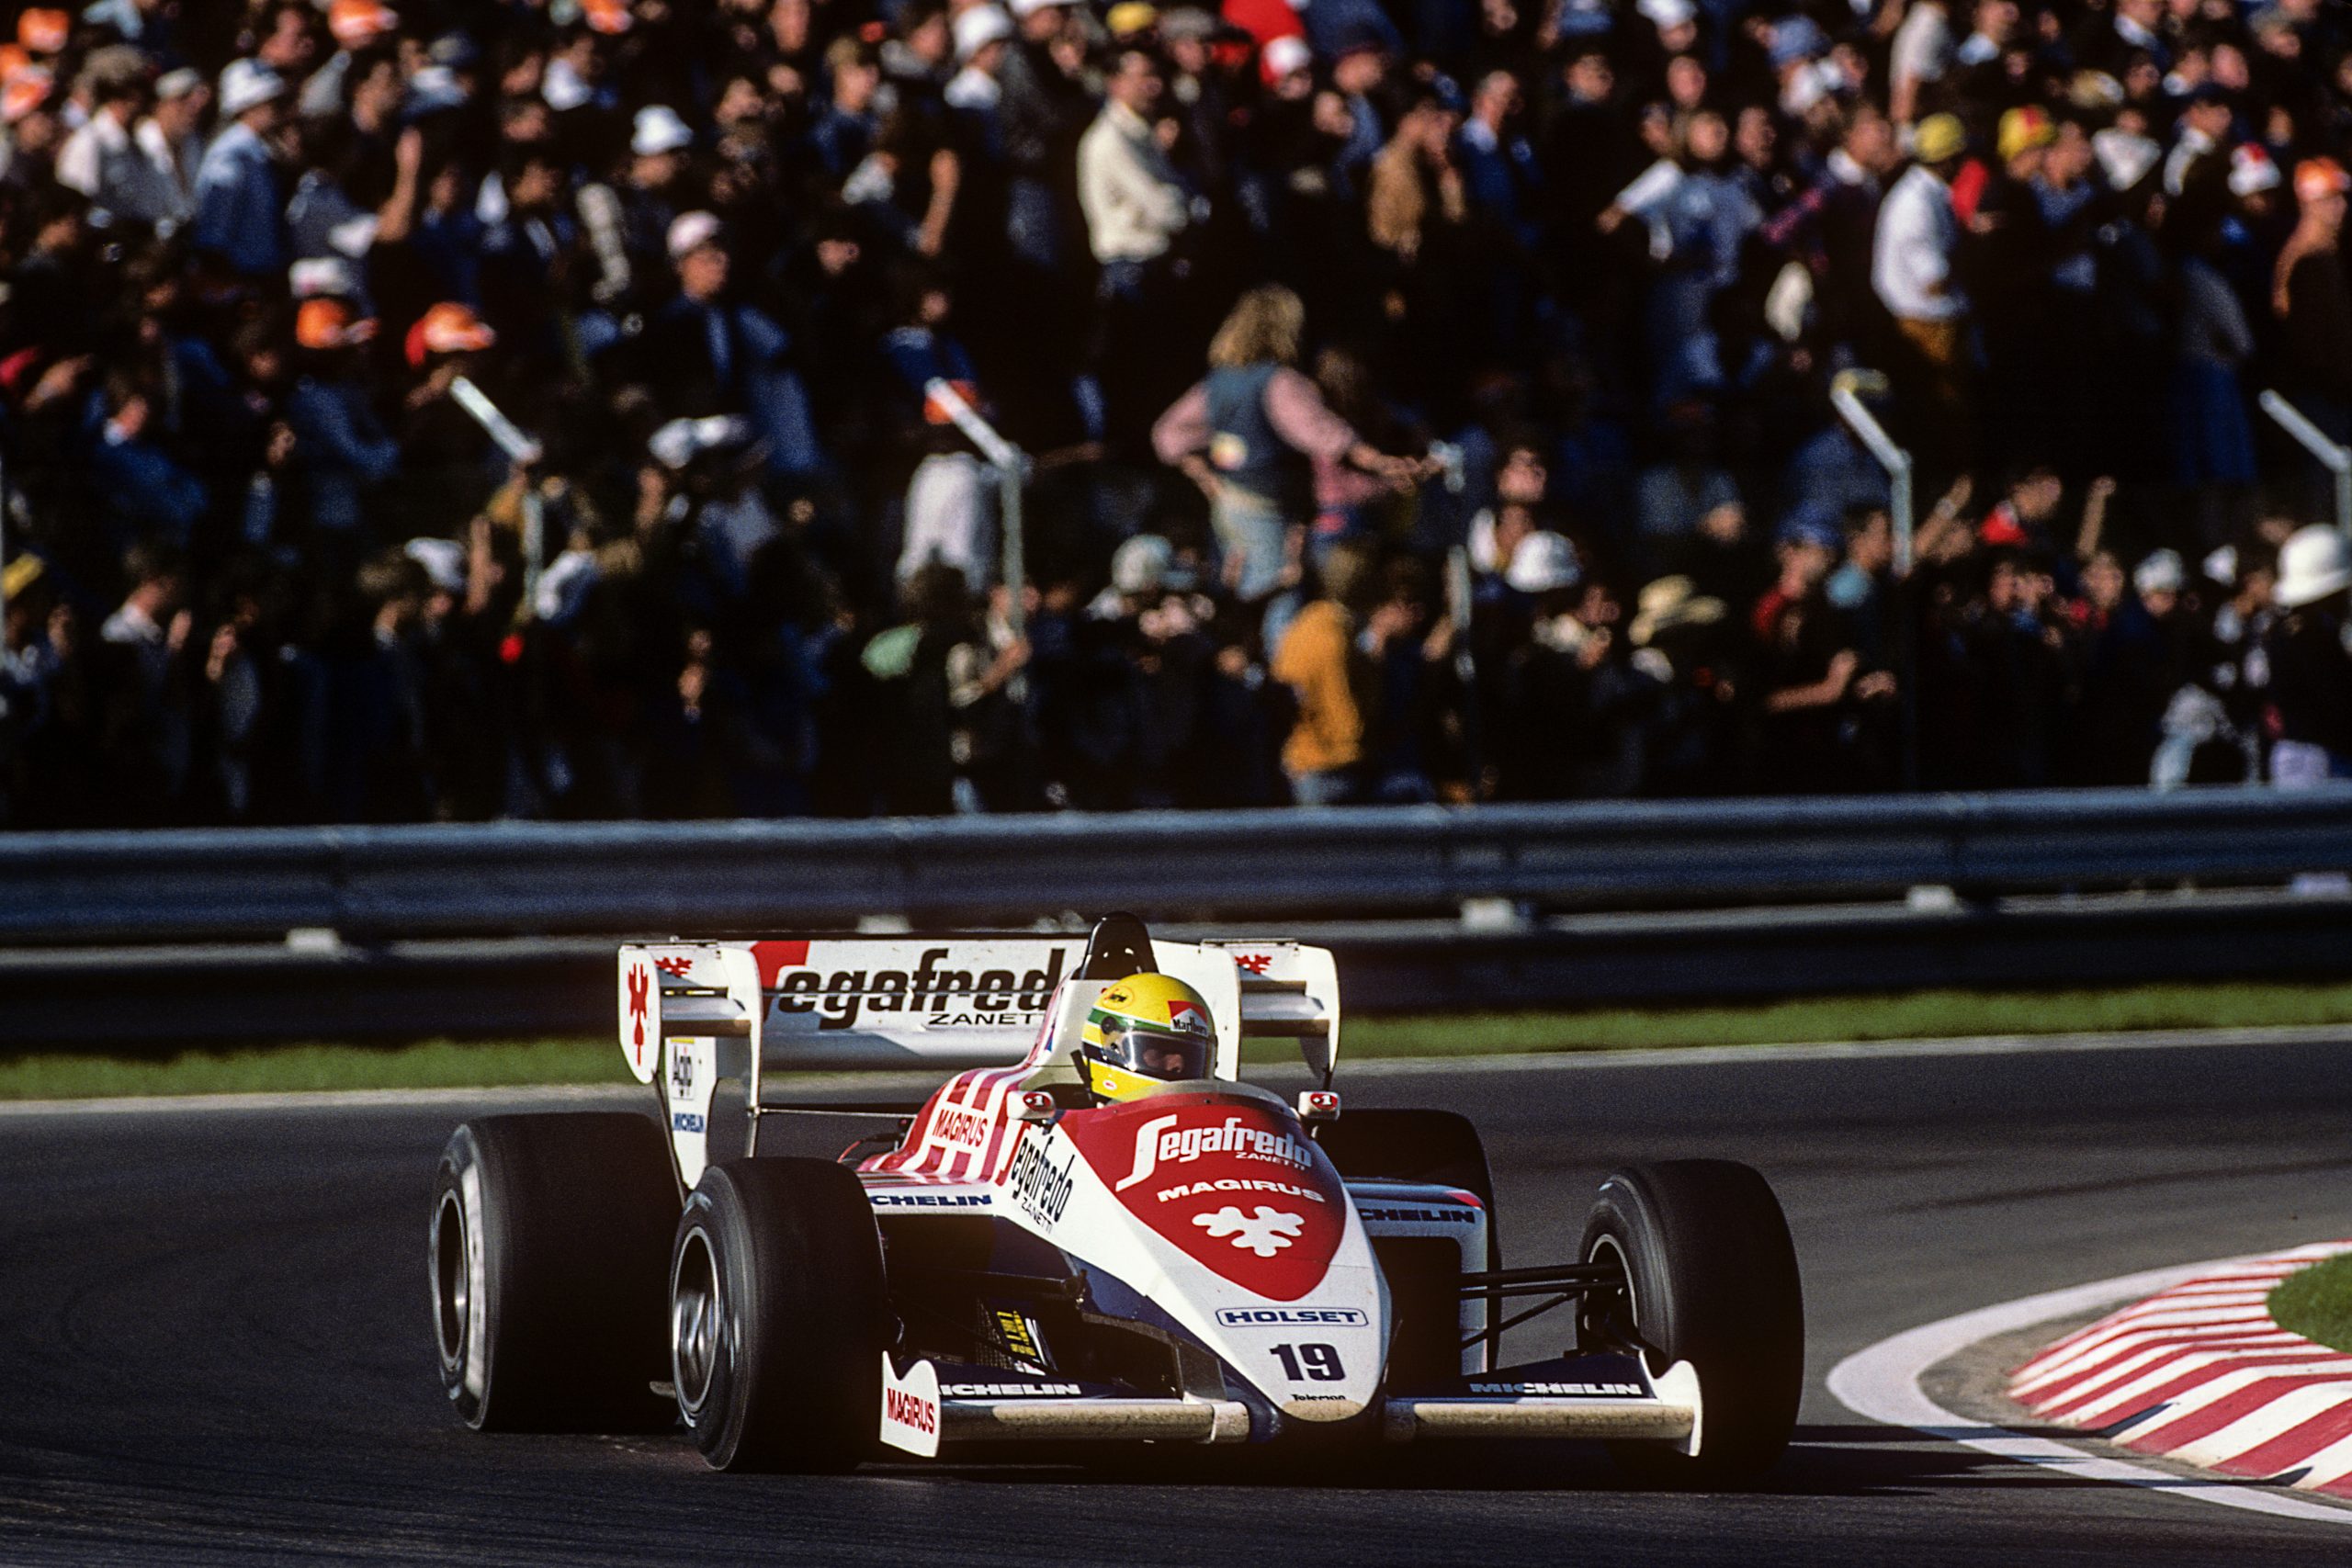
{"points": [[382, 884], [170, 997]]}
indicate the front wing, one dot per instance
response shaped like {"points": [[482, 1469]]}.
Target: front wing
{"points": [[926, 1404]]}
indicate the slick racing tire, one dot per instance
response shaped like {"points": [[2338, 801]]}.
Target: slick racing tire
{"points": [[1710, 1278], [546, 1254], [778, 1316]]}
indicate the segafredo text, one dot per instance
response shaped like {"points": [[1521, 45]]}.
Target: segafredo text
{"points": [[1158, 1143], [1041, 1186]]}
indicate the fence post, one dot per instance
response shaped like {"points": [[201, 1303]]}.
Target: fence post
{"points": [[522, 451], [1011, 467], [2335, 459], [1846, 393], [1846, 397]]}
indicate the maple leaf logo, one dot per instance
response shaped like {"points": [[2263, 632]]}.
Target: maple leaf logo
{"points": [[674, 967], [1266, 1234], [1255, 962], [639, 982]]}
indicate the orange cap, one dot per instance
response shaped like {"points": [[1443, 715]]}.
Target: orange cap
{"points": [[610, 17], [2317, 178], [359, 23], [448, 328], [25, 91], [329, 324], [44, 31]]}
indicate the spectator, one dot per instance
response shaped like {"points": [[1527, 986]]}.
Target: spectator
{"points": [[1136, 207], [2310, 671], [706, 353], [104, 161], [1921, 55], [1318, 659], [2312, 301], [698, 270], [1247, 437], [1914, 272], [240, 213], [344, 450]]}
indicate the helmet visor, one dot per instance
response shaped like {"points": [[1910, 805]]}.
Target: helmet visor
{"points": [[1156, 1054]]}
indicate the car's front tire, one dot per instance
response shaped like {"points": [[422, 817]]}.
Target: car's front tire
{"points": [[545, 1255], [778, 1316], [1710, 1278]]}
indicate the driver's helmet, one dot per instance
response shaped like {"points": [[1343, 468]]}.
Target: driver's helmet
{"points": [[1142, 1030]]}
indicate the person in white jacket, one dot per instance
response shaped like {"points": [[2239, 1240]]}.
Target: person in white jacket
{"points": [[1912, 271], [1136, 206], [111, 159]]}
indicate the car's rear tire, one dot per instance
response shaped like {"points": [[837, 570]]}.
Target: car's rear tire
{"points": [[546, 1255], [1712, 1280], [778, 1316]]}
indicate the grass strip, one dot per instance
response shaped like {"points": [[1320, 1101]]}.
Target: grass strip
{"points": [[1907, 1016], [437, 1064], [2317, 1302], [1913, 1015]]}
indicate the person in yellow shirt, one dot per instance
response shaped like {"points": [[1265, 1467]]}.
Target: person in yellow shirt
{"points": [[1319, 661]]}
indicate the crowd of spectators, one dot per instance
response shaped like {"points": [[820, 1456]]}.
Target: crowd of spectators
{"points": [[460, 409]]}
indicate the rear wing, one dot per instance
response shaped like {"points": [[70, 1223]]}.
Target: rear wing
{"points": [[697, 1012]]}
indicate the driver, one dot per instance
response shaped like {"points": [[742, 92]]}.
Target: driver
{"points": [[1144, 1031]]}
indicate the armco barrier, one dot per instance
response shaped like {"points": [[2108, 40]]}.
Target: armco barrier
{"points": [[550, 879], [164, 998]]}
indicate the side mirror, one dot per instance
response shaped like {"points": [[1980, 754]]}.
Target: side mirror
{"points": [[1319, 1105], [1035, 1106]]}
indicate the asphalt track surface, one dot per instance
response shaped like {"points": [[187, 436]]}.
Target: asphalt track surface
{"points": [[215, 1347]]}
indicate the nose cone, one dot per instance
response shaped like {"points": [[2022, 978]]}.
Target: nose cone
{"points": [[1265, 1257], [1233, 1184]]}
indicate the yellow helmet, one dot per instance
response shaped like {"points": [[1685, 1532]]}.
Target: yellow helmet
{"points": [[1142, 1030]]}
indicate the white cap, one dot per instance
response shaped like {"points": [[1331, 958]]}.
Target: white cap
{"points": [[563, 87], [444, 561], [978, 28], [2313, 563], [2125, 156], [1140, 566], [247, 83], [1544, 561], [178, 83], [2252, 170], [316, 276], [1031, 7], [681, 441], [1668, 14], [2161, 572], [1284, 55], [658, 130], [689, 232]]}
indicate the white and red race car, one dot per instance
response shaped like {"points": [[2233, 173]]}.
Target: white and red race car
{"points": [[1206, 1263]]}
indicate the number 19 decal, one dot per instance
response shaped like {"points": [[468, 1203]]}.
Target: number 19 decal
{"points": [[1316, 1363]]}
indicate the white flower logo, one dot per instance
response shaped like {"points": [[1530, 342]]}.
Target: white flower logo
{"points": [[1266, 1234]]}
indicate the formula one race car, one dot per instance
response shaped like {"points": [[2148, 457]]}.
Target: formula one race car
{"points": [[1092, 1230]]}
